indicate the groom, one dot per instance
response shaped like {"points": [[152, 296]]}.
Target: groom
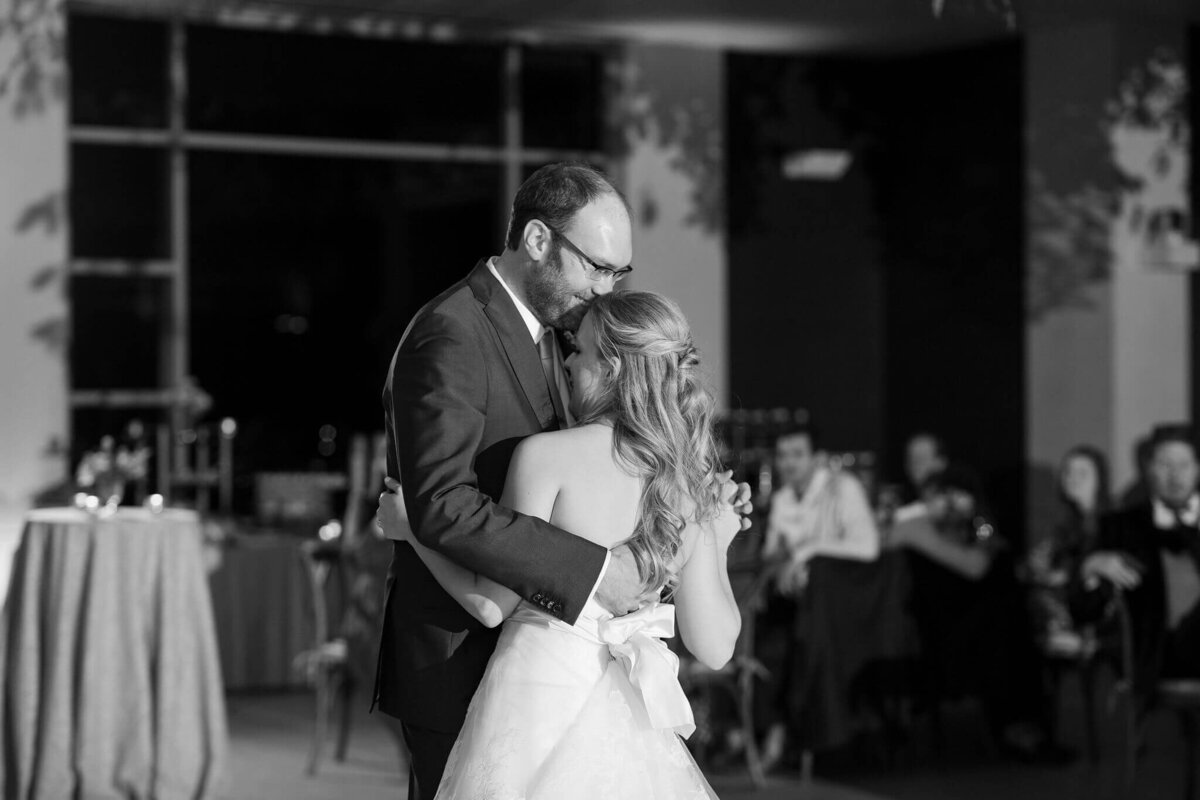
{"points": [[479, 369]]}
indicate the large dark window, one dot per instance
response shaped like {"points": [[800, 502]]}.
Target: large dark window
{"points": [[891, 299], [341, 87], [129, 89], [320, 190], [304, 274], [120, 202], [119, 329], [562, 98]]}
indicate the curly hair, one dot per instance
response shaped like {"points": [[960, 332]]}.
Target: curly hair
{"points": [[662, 418]]}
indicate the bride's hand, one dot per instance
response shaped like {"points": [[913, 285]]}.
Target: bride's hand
{"points": [[724, 528], [737, 496], [392, 516]]}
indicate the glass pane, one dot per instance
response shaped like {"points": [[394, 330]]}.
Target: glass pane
{"points": [[118, 72], [118, 331], [120, 202], [342, 87], [304, 274], [562, 98]]}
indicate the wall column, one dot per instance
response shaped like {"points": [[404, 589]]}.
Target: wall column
{"points": [[1108, 324]]}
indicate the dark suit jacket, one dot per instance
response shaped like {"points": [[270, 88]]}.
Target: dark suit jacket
{"points": [[465, 386], [1132, 531]]}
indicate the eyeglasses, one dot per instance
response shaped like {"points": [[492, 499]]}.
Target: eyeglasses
{"points": [[599, 271]]}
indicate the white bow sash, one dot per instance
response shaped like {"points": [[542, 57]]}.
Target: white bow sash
{"points": [[636, 642]]}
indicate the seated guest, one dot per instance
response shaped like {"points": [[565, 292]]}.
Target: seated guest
{"points": [[924, 459], [1152, 552], [817, 510], [1053, 562], [971, 615]]}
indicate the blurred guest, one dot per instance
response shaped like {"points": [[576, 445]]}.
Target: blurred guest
{"points": [[1152, 552], [924, 458], [971, 615], [818, 510], [927, 459], [1053, 562]]}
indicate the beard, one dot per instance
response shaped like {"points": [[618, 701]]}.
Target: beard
{"points": [[550, 297]]}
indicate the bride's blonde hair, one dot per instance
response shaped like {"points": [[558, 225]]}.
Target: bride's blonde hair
{"points": [[662, 416]]}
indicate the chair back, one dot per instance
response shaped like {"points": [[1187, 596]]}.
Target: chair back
{"points": [[321, 561], [195, 465], [364, 480], [331, 561]]}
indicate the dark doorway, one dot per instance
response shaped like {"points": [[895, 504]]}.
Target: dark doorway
{"points": [[890, 300]]}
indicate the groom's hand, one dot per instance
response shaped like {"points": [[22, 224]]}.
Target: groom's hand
{"points": [[621, 590], [391, 517]]}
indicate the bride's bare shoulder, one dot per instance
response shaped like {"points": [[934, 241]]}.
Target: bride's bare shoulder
{"points": [[555, 450]]}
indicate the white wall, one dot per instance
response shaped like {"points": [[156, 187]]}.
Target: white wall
{"points": [[33, 382], [672, 118]]}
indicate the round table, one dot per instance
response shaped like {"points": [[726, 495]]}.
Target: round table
{"points": [[262, 603], [108, 659]]}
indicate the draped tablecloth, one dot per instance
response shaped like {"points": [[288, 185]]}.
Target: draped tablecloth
{"points": [[851, 615], [111, 679], [262, 602]]}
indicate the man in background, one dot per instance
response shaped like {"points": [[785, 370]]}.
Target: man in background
{"points": [[819, 510], [1151, 551]]}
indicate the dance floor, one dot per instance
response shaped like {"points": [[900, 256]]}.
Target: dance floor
{"points": [[270, 740], [269, 750], [271, 736]]}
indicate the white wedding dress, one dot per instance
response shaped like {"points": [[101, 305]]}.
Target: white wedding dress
{"points": [[593, 710]]}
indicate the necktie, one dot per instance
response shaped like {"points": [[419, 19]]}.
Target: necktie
{"points": [[556, 377]]}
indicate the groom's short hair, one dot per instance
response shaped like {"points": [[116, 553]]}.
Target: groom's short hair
{"points": [[554, 194]]}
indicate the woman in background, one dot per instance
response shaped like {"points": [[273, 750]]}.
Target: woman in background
{"points": [[1054, 561]]}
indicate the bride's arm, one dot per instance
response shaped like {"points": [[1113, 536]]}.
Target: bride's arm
{"points": [[525, 491], [709, 619]]}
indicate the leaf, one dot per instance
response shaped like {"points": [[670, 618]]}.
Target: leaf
{"points": [[45, 276], [52, 333], [46, 212]]}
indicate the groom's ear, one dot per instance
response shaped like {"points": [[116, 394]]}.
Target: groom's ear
{"points": [[537, 239]]}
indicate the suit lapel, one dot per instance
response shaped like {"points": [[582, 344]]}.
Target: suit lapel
{"points": [[514, 336]]}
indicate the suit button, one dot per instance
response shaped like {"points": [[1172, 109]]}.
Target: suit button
{"points": [[537, 598], [557, 609]]}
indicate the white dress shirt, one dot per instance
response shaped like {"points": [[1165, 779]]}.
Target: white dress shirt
{"points": [[832, 518]]}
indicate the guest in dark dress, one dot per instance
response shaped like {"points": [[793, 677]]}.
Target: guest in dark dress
{"points": [[1053, 562], [1151, 551], [971, 614]]}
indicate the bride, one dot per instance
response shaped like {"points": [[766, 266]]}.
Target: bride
{"points": [[595, 710]]}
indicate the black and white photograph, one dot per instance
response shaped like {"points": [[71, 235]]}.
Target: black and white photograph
{"points": [[549, 400]]}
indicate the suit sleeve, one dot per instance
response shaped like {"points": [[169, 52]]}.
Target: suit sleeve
{"points": [[438, 403]]}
